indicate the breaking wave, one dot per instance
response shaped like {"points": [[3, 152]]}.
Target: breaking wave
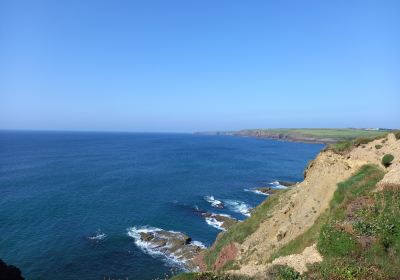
{"points": [[214, 202], [256, 192], [277, 185], [98, 235], [159, 250], [214, 223], [238, 207]]}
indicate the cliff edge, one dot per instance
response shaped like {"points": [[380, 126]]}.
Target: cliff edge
{"points": [[284, 230]]}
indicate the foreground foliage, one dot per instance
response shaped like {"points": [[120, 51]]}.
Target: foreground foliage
{"points": [[207, 276], [359, 235], [387, 160]]}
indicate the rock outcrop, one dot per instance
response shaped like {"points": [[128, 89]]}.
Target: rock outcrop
{"points": [[221, 221], [174, 245], [9, 272]]}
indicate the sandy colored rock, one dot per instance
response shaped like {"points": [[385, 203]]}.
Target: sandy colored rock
{"points": [[299, 207], [299, 262]]}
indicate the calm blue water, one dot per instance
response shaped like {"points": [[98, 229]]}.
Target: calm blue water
{"points": [[58, 189]]}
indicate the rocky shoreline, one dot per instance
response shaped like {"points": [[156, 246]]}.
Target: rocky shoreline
{"points": [[176, 246], [179, 247]]}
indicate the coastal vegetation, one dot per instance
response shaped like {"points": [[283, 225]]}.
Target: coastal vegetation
{"points": [[317, 135], [387, 160], [328, 133], [208, 276], [361, 239], [347, 145], [357, 235], [365, 178]]}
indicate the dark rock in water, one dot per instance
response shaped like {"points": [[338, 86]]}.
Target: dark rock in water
{"points": [[146, 236], [173, 244], [225, 221], [9, 272], [219, 205], [268, 190]]}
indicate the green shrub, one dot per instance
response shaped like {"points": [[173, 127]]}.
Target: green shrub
{"points": [[207, 276], [339, 269], [283, 272], [362, 141], [397, 134], [341, 147], [378, 147], [387, 160], [360, 183]]}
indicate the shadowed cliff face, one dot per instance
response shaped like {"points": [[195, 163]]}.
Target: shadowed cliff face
{"points": [[9, 272]]}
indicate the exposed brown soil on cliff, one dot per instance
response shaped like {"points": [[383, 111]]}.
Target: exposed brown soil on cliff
{"points": [[298, 208], [228, 253]]}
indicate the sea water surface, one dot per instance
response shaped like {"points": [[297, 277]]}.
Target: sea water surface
{"points": [[68, 199]]}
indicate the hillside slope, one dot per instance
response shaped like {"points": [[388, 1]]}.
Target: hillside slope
{"points": [[291, 223]]}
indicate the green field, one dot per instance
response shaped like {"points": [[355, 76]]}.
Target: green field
{"points": [[320, 133]]}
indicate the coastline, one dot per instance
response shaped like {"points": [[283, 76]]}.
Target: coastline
{"points": [[281, 223], [311, 136], [285, 138]]}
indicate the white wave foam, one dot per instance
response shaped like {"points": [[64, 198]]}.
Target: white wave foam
{"points": [[147, 247], [214, 202], [256, 192], [214, 223], [198, 243], [277, 185], [98, 236], [238, 207], [225, 215]]}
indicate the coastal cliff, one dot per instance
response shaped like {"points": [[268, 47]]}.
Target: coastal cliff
{"points": [[290, 232], [306, 135]]}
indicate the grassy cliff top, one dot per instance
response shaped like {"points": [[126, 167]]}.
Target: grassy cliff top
{"points": [[325, 134], [318, 135]]}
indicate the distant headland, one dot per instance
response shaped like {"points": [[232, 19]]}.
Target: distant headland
{"points": [[307, 135]]}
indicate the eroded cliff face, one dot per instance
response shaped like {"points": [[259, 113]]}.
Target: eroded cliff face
{"points": [[298, 208]]}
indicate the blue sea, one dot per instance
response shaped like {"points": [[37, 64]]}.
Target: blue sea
{"points": [[69, 199]]}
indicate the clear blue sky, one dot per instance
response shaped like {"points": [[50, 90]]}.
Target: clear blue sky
{"points": [[199, 65]]}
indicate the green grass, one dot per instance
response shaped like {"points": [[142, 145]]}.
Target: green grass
{"points": [[382, 222], [335, 242], [342, 146], [283, 272], [376, 220], [207, 276], [363, 181], [323, 133], [346, 145], [241, 230], [361, 244]]}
